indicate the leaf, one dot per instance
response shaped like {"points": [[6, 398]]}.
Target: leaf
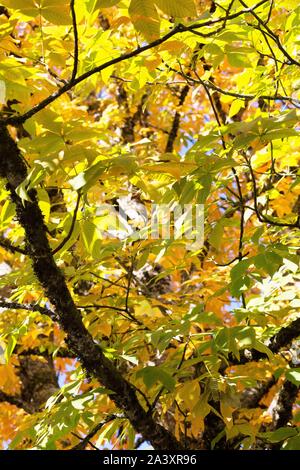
{"points": [[44, 203], [89, 235], [293, 375], [293, 443], [34, 177], [177, 9], [7, 213], [226, 412], [106, 3], [189, 394], [2, 353], [235, 107], [153, 374], [199, 412], [88, 177], [216, 234], [2, 92], [12, 341], [145, 18], [239, 269], [281, 434], [269, 261], [55, 11], [238, 59]]}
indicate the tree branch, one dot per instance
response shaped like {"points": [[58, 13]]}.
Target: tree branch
{"points": [[283, 411], [10, 247], [86, 440], [29, 307], [67, 238], [51, 278], [75, 31], [176, 121], [281, 339], [15, 400]]}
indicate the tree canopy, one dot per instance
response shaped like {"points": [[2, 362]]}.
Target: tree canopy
{"points": [[112, 338]]}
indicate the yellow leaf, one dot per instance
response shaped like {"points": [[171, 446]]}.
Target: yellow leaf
{"points": [[189, 394], [235, 107], [200, 411], [145, 18], [226, 412], [178, 9]]}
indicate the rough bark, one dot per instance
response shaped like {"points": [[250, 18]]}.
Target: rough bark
{"points": [[38, 383]]}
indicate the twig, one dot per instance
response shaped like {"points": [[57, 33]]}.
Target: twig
{"points": [[75, 31], [176, 121], [10, 247], [122, 311], [86, 440], [237, 258], [67, 238], [29, 307]]}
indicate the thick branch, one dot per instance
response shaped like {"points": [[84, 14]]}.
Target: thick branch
{"points": [[283, 411], [15, 400]]}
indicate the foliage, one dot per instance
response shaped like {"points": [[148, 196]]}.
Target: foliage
{"points": [[130, 102]]}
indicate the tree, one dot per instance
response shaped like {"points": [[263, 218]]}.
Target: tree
{"points": [[110, 335]]}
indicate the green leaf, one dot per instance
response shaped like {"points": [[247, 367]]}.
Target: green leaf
{"points": [[293, 443], [89, 234], [293, 375], [2, 353], [12, 341], [36, 175], [261, 347], [215, 237], [237, 58], [205, 183], [280, 434], [55, 11], [188, 192], [8, 212], [154, 374], [268, 261], [235, 107], [240, 269], [88, 177]]}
